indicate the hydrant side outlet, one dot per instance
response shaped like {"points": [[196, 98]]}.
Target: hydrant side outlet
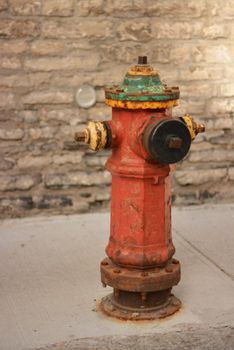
{"points": [[145, 141]]}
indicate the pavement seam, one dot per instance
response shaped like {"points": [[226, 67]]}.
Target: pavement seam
{"points": [[204, 255]]}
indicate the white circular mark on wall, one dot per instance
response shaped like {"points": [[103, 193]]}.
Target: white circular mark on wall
{"points": [[86, 96]]}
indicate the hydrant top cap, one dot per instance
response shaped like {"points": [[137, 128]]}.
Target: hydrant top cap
{"points": [[142, 86]]}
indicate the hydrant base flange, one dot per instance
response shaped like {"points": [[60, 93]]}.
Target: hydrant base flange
{"points": [[111, 308], [140, 294], [137, 280]]}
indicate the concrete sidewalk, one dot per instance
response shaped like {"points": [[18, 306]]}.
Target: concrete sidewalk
{"points": [[50, 285]]}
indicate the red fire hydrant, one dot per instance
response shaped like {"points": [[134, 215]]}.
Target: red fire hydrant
{"points": [[145, 139]]}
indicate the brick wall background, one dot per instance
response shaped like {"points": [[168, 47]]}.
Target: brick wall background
{"points": [[49, 48]]}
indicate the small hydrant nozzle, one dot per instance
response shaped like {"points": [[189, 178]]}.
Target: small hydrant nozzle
{"points": [[166, 141], [96, 135], [200, 128], [194, 128]]}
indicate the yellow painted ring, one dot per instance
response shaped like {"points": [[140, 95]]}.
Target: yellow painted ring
{"points": [[140, 104], [189, 122]]}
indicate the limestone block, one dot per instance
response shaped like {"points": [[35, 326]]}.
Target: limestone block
{"points": [[6, 163], [218, 106], [177, 8], [18, 182], [216, 31], [47, 47], [11, 29], [33, 162], [58, 180], [10, 63], [48, 97], [3, 5], [13, 47], [7, 100], [42, 133], [90, 7], [199, 176], [227, 90], [25, 7], [68, 158], [217, 155], [85, 61], [15, 80], [86, 28], [51, 201], [176, 30], [11, 134], [61, 8], [198, 72], [135, 30], [231, 173]]}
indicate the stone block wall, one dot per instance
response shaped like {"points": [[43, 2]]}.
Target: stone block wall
{"points": [[49, 48]]}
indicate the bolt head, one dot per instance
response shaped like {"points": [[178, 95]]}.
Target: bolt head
{"points": [[169, 269], [175, 261], [144, 274]]}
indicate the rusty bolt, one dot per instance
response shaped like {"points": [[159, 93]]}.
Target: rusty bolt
{"points": [[104, 263], [174, 142], [142, 60], [162, 312], [176, 302], [169, 269], [117, 270], [80, 136], [175, 261], [144, 274]]}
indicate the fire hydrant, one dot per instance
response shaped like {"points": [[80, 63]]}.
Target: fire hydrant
{"points": [[145, 140]]}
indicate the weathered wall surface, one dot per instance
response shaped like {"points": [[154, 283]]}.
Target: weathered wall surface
{"points": [[49, 48]]}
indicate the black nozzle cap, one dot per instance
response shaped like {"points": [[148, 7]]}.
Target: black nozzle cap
{"points": [[168, 141], [142, 59]]}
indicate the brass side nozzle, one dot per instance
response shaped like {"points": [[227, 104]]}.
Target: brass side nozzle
{"points": [[95, 135], [200, 128], [194, 128]]}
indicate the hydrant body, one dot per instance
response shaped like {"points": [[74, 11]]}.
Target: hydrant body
{"points": [[146, 141], [141, 196]]}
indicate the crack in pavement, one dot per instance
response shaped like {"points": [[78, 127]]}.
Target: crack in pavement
{"points": [[204, 255]]}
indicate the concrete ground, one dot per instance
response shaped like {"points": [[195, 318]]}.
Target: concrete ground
{"points": [[50, 285]]}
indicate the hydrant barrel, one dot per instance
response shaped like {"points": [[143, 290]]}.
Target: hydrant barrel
{"points": [[140, 232]]}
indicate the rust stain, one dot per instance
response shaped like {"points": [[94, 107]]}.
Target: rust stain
{"points": [[141, 323], [134, 207]]}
